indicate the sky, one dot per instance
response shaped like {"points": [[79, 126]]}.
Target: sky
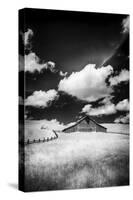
{"points": [[74, 63]]}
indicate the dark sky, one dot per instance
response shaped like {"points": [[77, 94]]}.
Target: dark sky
{"points": [[71, 40]]}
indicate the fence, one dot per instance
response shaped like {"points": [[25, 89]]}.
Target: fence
{"points": [[41, 140]]}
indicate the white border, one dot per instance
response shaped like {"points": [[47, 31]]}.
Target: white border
{"points": [[9, 93]]}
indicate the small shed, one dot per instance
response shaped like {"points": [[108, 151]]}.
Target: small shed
{"points": [[85, 124]]}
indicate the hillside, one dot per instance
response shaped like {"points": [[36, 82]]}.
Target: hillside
{"points": [[118, 128]]}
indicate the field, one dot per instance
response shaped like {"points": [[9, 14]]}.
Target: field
{"points": [[117, 128], [78, 160]]}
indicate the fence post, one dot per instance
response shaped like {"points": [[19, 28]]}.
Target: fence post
{"points": [[55, 134]]}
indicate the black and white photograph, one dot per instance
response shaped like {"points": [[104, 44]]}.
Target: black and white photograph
{"points": [[73, 99]]}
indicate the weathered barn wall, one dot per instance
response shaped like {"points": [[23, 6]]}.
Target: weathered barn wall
{"points": [[100, 129], [86, 126]]}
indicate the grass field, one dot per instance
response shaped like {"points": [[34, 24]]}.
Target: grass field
{"points": [[117, 128], [78, 160]]}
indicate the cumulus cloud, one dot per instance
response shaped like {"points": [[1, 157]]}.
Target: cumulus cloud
{"points": [[122, 119], [123, 105], [125, 25], [54, 124], [123, 76], [88, 84], [50, 65], [41, 98], [32, 63], [107, 109], [26, 37], [87, 108], [62, 73], [102, 110]]}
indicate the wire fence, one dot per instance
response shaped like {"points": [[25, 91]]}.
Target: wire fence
{"points": [[42, 140]]}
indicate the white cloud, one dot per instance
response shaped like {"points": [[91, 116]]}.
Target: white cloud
{"points": [[107, 109], [32, 63], [41, 98], [27, 35], [122, 119], [50, 65], [53, 124], [123, 105], [88, 84], [123, 76], [102, 110], [62, 73], [87, 108], [125, 25]]}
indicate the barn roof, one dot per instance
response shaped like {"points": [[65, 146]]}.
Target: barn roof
{"points": [[80, 120]]}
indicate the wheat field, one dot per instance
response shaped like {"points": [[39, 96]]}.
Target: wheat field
{"points": [[78, 160]]}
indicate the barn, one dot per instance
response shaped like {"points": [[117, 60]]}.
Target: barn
{"points": [[85, 124]]}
